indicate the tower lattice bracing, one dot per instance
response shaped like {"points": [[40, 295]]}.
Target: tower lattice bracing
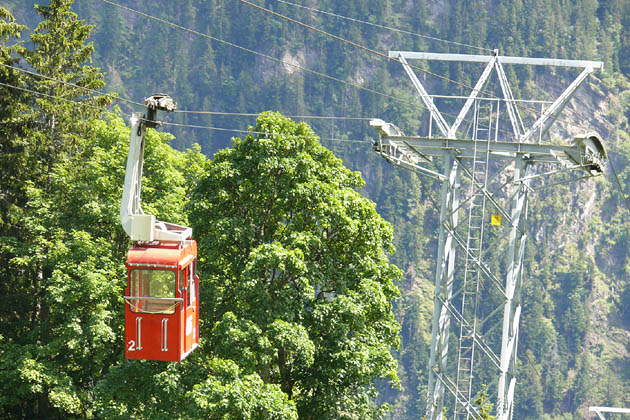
{"points": [[488, 165]]}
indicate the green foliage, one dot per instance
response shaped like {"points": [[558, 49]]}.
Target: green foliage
{"points": [[530, 401], [14, 121], [63, 258], [58, 286], [199, 388], [60, 51], [483, 406], [289, 330], [624, 298], [297, 265], [72, 258]]}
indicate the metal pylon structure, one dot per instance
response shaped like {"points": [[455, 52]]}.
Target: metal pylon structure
{"points": [[487, 171], [612, 410]]}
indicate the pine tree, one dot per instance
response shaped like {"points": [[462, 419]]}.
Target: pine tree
{"points": [[60, 52], [13, 117], [44, 128]]}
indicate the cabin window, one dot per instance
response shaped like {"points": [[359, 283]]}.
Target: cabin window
{"points": [[158, 286]]}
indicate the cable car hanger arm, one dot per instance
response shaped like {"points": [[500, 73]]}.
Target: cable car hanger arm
{"points": [[138, 225]]}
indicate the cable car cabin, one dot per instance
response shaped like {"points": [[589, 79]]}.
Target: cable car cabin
{"points": [[162, 301]]}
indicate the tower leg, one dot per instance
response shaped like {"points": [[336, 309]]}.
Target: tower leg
{"points": [[444, 276], [513, 281]]}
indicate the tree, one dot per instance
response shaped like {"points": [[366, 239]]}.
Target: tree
{"points": [[530, 400], [54, 353], [41, 357], [198, 388], [38, 130], [32, 383], [295, 266], [484, 407], [60, 52], [624, 303], [15, 104]]}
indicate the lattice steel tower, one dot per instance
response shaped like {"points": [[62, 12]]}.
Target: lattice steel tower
{"points": [[487, 164]]}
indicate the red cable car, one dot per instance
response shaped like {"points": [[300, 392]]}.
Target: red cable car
{"points": [[162, 310], [162, 294]]}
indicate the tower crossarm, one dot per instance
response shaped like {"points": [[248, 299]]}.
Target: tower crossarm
{"points": [[520, 131], [587, 150], [614, 410], [549, 116], [472, 58], [398, 152], [428, 101]]}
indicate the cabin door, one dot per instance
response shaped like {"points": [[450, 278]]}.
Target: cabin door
{"points": [[191, 316]]}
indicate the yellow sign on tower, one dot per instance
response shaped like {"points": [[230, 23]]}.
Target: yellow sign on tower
{"points": [[495, 220]]}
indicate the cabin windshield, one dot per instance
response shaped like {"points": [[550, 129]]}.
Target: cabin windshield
{"points": [[158, 286]]}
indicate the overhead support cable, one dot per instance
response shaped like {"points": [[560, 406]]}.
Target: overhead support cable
{"points": [[85, 104], [307, 70], [389, 28], [346, 41], [132, 102], [52, 79], [323, 75], [129, 101], [397, 58], [251, 114], [81, 103], [206, 127], [277, 60]]}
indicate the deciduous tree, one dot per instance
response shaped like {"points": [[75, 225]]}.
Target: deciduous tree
{"points": [[295, 263]]}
